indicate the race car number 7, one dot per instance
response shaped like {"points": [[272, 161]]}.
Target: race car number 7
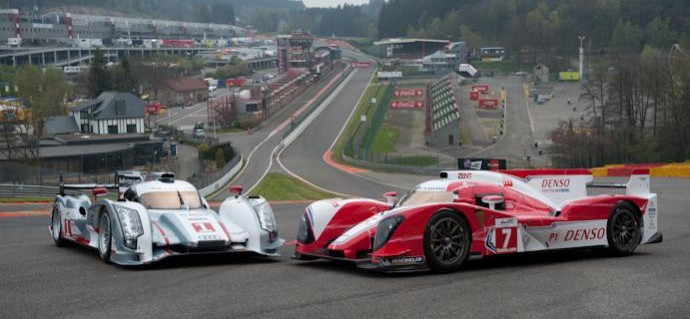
{"points": [[506, 239]]}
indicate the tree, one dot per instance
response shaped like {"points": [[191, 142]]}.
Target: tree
{"points": [[626, 38], [122, 77], [99, 78], [220, 158]]}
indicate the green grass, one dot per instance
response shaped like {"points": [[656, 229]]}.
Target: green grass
{"points": [[505, 66], [25, 199], [416, 160], [352, 125], [385, 139], [276, 186]]}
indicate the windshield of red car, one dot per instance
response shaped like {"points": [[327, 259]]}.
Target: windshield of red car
{"points": [[171, 200], [422, 197]]}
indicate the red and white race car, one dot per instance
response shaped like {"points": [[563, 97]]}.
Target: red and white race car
{"points": [[442, 222]]}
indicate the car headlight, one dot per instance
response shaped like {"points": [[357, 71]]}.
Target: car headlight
{"points": [[304, 230], [385, 229], [266, 219], [131, 225]]}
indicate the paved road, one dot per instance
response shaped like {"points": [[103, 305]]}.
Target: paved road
{"points": [[42, 281], [259, 145], [519, 140]]}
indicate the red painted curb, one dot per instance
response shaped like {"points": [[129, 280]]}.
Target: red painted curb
{"points": [[328, 159], [29, 213]]}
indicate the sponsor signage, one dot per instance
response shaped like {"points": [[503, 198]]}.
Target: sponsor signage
{"points": [[235, 81], [362, 65], [483, 164], [408, 92], [42, 25], [569, 76], [407, 104], [389, 75], [488, 103], [474, 95], [481, 88]]}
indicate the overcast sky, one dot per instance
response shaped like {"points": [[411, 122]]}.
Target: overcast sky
{"points": [[331, 3]]}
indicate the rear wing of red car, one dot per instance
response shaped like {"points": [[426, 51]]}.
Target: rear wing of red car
{"points": [[637, 185], [558, 185]]}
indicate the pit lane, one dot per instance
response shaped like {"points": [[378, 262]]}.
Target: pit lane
{"points": [[40, 280]]}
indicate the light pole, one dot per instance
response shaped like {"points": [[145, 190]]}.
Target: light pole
{"points": [[582, 57]]}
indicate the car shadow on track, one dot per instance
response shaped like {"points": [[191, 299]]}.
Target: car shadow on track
{"points": [[183, 261], [521, 261], [197, 260]]}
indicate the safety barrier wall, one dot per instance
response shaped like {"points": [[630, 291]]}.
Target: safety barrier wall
{"points": [[655, 170]]}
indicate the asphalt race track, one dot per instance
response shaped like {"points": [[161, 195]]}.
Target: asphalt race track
{"points": [[40, 280]]}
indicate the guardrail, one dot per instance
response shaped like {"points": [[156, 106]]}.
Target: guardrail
{"points": [[345, 72], [26, 191], [394, 167]]}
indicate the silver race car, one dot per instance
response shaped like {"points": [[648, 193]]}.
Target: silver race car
{"points": [[156, 218]]}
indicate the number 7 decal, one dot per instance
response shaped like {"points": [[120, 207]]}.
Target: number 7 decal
{"points": [[506, 239]]}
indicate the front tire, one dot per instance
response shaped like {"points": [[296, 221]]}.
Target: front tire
{"points": [[447, 238], [623, 230], [105, 237], [56, 227]]}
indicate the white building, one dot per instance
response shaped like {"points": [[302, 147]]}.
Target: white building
{"points": [[111, 113]]}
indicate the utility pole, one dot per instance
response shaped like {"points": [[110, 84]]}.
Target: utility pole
{"points": [[582, 58]]}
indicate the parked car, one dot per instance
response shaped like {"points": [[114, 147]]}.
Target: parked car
{"points": [[483, 213], [159, 218]]}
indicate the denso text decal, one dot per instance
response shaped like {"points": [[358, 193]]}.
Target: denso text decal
{"points": [[579, 234], [555, 185]]}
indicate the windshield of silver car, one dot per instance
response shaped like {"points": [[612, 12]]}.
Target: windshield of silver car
{"points": [[171, 199]]}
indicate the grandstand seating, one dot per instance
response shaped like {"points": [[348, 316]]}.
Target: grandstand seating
{"points": [[444, 110]]}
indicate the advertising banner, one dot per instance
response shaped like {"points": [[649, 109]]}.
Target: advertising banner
{"points": [[408, 92], [488, 103], [362, 64], [407, 104], [482, 164], [481, 88]]}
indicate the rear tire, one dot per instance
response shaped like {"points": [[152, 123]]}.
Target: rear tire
{"points": [[623, 230], [56, 227], [447, 238], [105, 237]]}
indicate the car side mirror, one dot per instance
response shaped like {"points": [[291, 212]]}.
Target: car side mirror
{"points": [[390, 197], [235, 190], [456, 196], [493, 201]]}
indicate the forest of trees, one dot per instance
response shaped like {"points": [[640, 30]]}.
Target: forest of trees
{"points": [[346, 20], [544, 25], [639, 111]]}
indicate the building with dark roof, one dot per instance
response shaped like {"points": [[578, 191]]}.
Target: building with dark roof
{"points": [[183, 91], [111, 113], [55, 125]]}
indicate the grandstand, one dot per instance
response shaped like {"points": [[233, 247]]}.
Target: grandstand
{"points": [[442, 118]]}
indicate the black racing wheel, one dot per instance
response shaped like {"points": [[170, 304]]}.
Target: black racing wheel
{"points": [[447, 238], [105, 237], [623, 230]]}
